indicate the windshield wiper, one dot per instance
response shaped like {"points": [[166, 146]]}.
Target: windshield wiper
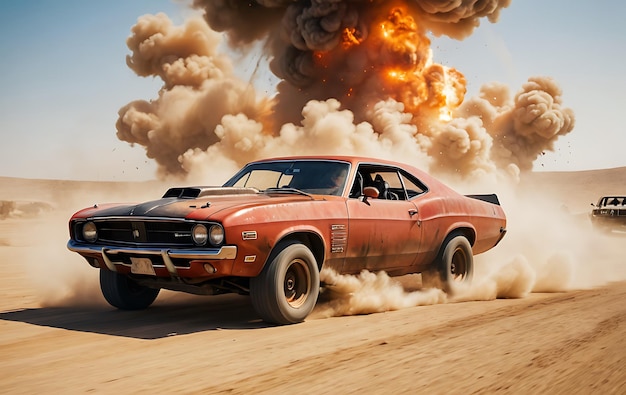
{"points": [[286, 190]]}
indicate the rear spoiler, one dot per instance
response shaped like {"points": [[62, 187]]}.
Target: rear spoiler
{"points": [[491, 198]]}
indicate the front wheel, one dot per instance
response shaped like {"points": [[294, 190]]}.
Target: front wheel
{"points": [[455, 266], [286, 290], [125, 294]]}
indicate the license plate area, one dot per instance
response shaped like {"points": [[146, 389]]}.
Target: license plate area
{"points": [[141, 266]]}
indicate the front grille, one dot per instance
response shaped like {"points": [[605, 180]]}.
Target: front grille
{"points": [[125, 232]]}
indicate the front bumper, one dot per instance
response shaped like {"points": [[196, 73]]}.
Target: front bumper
{"points": [[110, 254]]}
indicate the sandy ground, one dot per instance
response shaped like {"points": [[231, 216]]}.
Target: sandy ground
{"points": [[546, 313]]}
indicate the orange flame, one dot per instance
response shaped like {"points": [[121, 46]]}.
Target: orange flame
{"points": [[351, 37], [409, 72], [403, 64]]}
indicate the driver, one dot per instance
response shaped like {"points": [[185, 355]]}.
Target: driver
{"points": [[337, 181]]}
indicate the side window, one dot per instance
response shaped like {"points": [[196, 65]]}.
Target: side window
{"points": [[387, 181], [413, 186], [392, 183]]}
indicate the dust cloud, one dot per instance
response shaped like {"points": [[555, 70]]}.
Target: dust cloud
{"points": [[547, 249], [56, 277], [34, 234], [369, 293], [358, 77]]}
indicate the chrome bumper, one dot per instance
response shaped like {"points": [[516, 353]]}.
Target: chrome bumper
{"points": [[107, 252]]}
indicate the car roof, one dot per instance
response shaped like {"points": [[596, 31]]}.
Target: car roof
{"points": [[345, 158], [355, 160]]}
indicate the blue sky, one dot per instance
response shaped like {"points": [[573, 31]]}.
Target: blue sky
{"points": [[64, 77]]}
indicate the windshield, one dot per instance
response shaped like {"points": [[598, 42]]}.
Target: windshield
{"points": [[310, 176]]}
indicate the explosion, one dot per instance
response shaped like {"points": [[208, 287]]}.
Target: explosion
{"points": [[355, 77]]}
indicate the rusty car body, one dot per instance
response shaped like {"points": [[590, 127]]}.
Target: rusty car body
{"points": [[271, 229], [609, 214]]}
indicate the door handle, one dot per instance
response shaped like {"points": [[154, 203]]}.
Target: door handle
{"points": [[412, 212]]}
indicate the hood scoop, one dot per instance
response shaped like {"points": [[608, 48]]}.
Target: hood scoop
{"points": [[196, 192]]}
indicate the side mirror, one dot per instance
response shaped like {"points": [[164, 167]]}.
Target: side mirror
{"points": [[371, 192]]}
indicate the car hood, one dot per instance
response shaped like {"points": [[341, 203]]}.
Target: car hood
{"points": [[203, 207]]}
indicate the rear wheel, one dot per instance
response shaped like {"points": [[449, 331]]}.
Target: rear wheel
{"points": [[123, 293], [455, 266], [286, 290]]}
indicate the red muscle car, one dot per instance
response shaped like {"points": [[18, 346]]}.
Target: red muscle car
{"points": [[271, 228]]}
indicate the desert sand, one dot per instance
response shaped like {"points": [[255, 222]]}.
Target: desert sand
{"points": [[546, 313]]}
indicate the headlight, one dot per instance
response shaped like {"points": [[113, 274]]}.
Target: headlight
{"points": [[90, 232], [200, 234], [216, 234]]}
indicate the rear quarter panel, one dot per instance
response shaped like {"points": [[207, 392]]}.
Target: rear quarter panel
{"points": [[442, 214]]}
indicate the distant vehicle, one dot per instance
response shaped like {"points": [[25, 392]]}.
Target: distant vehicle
{"points": [[609, 214], [270, 230]]}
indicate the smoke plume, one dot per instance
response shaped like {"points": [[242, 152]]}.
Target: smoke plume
{"points": [[354, 77], [199, 88]]}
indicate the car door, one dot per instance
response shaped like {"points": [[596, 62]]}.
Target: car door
{"points": [[384, 234]]}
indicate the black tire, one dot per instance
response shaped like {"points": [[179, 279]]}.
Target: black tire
{"points": [[286, 290], [125, 294], [454, 266]]}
